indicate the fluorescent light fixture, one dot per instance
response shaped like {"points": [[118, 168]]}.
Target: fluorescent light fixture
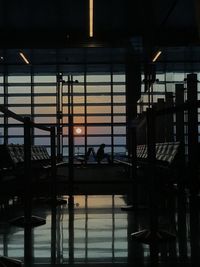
{"points": [[91, 18], [24, 58], [156, 56]]}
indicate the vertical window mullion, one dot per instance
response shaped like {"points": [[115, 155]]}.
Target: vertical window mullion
{"points": [[112, 119]]}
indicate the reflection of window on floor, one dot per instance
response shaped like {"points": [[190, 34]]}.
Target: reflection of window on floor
{"points": [[100, 232]]}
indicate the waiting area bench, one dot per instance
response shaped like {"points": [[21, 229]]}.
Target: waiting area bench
{"points": [[167, 157], [166, 171], [165, 153], [12, 159], [83, 158]]}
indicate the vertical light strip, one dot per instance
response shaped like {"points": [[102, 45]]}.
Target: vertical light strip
{"points": [[91, 17]]}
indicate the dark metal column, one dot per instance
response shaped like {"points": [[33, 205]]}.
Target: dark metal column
{"points": [[181, 200], [71, 134], [53, 191], [85, 109], [28, 257], [192, 131], [59, 114], [5, 124], [179, 100], [133, 91], [193, 148], [169, 132], [32, 100], [112, 112], [151, 152]]}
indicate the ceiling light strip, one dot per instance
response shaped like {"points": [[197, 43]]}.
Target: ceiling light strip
{"points": [[24, 58], [91, 17], [156, 56]]}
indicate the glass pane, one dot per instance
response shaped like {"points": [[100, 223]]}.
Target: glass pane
{"points": [[45, 99], [45, 110], [119, 78], [119, 130], [119, 109], [16, 131], [98, 78], [16, 140], [121, 119], [99, 119], [79, 119], [119, 99], [45, 79], [98, 140], [98, 109], [42, 141], [45, 89], [19, 100], [21, 110], [99, 130], [98, 89], [119, 88], [98, 99], [19, 79], [19, 90], [45, 120]]}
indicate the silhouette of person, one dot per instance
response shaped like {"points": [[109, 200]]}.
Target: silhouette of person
{"points": [[101, 154]]}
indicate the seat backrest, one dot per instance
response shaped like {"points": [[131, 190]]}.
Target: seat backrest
{"points": [[12, 155], [165, 152], [90, 151]]}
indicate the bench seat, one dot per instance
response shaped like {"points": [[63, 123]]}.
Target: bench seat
{"points": [[165, 153], [167, 160], [12, 159]]}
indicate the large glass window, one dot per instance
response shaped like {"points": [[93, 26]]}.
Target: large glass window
{"points": [[98, 106]]}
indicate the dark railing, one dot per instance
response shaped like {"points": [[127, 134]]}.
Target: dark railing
{"points": [[28, 220], [152, 234]]}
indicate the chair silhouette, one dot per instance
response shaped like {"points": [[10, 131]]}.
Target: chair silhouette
{"points": [[85, 157]]}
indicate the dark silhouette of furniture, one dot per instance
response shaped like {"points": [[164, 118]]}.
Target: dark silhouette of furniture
{"points": [[12, 159], [83, 158], [166, 156], [167, 162], [9, 262]]}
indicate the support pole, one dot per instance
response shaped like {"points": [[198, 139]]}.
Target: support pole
{"points": [[152, 236], [193, 167], [53, 192], [28, 220], [181, 200], [192, 133], [169, 131], [151, 154], [28, 194], [179, 100], [71, 135], [59, 115], [53, 163]]}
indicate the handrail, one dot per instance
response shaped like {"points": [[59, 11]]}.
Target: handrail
{"points": [[11, 114], [21, 119], [138, 121]]}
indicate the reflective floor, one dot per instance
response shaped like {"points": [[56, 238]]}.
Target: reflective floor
{"points": [[91, 230]]}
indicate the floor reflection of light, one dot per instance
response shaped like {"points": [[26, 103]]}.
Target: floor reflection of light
{"points": [[99, 230]]}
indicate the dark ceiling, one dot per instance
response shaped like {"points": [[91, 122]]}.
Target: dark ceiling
{"points": [[56, 32], [64, 23]]}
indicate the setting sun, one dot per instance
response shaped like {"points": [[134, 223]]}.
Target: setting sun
{"points": [[78, 130]]}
